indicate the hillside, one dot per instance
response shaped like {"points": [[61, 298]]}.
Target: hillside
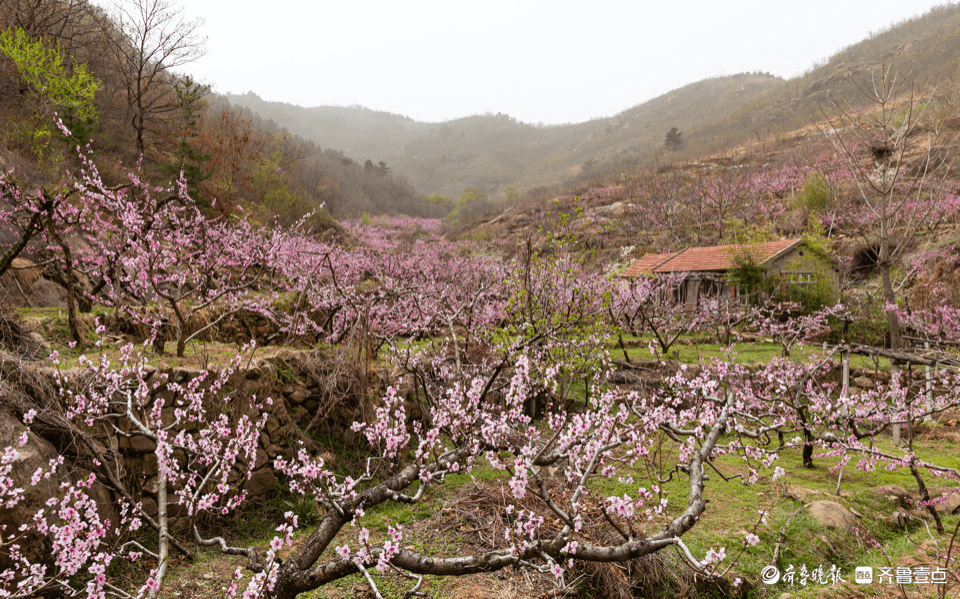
{"points": [[491, 151], [95, 69], [925, 49]]}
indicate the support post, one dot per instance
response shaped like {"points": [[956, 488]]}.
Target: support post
{"points": [[845, 390], [895, 384], [928, 380]]}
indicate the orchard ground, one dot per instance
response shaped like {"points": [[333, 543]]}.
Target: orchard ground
{"points": [[456, 519]]}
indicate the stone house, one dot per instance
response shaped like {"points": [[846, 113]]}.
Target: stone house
{"points": [[708, 268]]}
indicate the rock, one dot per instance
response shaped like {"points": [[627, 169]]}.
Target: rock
{"points": [[142, 444], [149, 506], [832, 515], [272, 425], [299, 396], [250, 387], [260, 482], [166, 396], [151, 463], [349, 437], [47, 294], [36, 453], [184, 375], [899, 518], [261, 458], [951, 504], [800, 494], [864, 382], [168, 416], [894, 493], [175, 510]]}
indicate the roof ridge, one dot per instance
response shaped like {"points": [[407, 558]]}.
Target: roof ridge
{"points": [[669, 259]]}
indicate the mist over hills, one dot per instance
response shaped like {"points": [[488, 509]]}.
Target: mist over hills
{"points": [[492, 151]]}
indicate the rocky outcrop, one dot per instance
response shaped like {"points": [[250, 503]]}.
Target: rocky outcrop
{"points": [[34, 455]]}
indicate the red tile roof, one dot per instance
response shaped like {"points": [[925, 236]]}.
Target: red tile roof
{"points": [[646, 264], [713, 258]]}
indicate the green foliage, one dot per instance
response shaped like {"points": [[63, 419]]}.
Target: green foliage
{"points": [[816, 288], [438, 205], [472, 202], [673, 141], [870, 325], [439, 200], [68, 92], [747, 274], [273, 186], [510, 194], [567, 226], [190, 161], [815, 195], [471, 195], [812, 293], [744, 233]]}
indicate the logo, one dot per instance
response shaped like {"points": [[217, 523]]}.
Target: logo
{"points": [[770, 575], [863, 575]]}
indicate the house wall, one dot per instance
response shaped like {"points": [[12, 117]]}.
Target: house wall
{"points": [[797, 261], [802, 260]]}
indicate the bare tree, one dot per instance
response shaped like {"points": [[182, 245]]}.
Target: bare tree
{"points": [[149, 39], [901, 187], [67, 22]]}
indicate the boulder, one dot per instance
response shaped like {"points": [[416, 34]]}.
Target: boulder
{"points": [[832, 515], [800, 494], [37, 453], [894, 493], [951, 504]]}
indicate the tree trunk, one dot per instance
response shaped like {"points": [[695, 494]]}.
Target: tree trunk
{"points": [[33, 227], [71, 285], [893, 320]]}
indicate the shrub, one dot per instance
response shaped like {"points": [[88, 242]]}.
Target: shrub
{"points": [[815, 195]]}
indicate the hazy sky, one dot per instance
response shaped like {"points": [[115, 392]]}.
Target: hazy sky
{"points": [[554, 62]]}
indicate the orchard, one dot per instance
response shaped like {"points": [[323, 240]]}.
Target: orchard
{"points": [[516, 362]]}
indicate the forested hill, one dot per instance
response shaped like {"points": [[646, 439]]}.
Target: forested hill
{"points": [[492, 151], [96, 69]]}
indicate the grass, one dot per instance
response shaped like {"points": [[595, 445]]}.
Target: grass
{"points": [[693, 349], [732, 510]]}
